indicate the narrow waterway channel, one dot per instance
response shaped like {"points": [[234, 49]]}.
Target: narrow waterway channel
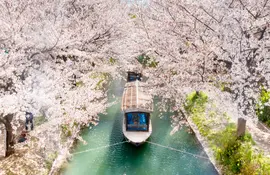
{"points": [[127, 159]]}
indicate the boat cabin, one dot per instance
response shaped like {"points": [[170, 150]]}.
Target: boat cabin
{"points": [[132, 76]]}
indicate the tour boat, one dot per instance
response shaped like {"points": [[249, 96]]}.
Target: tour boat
{"points": [[137, 106]]}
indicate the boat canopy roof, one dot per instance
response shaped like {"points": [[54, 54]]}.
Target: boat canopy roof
{"points": [[135, 98]]}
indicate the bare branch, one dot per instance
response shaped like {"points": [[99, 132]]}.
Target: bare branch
{"points": [[196, 18], [254, 16], [219, 21]]}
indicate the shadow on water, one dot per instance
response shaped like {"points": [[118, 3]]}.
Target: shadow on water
{"points": [[129, 159], [114, 93]]}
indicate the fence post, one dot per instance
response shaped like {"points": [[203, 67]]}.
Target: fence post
{"points": [[241, 127]]}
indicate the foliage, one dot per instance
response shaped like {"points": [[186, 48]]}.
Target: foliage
{"points": [[201, 124], [224, 86], [66, 130], [235, 154], [132, 16], [147, 61], [231, 151], [79, 83], [112, 60], [40, 120], [263, 107], [195, 105], [62, 168], [50, 159], [173, 72], [195, 102], [102, 77]]}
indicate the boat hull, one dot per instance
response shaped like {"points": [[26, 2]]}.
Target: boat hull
{"points": [[133, 143]]}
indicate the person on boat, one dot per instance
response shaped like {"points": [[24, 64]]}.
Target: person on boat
{"points": [[29, 119], [136, 120]]}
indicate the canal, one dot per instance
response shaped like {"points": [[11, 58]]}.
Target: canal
{"points": [[97, 157]]}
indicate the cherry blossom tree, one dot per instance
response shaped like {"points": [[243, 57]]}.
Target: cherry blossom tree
{"points": [[196, 43], [49, 51], [55, 54]]}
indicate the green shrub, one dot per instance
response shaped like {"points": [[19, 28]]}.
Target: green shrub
{"points": [[103, 79], [195, 105], [66, 130], [195, 102], [50, 159], [232, 151], [79, 83], [39, 120], [132, 16], [112, 61], [235, 154], [224, 87], [147, 61], [262, 110]]}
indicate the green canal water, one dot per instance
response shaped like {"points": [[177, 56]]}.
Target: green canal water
{"points": [[130, 160]]}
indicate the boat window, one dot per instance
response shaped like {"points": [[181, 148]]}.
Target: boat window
{"points": [[132, 76], [137, 121]]}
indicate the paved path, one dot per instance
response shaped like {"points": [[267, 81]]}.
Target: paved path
{"points": [[261, 136]]}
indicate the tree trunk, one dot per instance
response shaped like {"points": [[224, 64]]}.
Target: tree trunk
{"points": [[241, 127], [6, 120]]}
